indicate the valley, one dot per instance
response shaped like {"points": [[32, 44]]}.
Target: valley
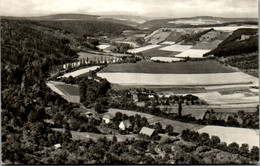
{"points": [[83, 86]]}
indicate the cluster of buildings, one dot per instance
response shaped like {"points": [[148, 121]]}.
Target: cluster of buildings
{"points": [[126, 124]]}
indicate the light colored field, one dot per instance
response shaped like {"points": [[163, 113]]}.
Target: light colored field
{"points": [[254, 90], [80, 72], [227, 86], [166, 59], [176, 48], [64, 92], [167, 43], [193, 53], [103, 46], [178, 126], [140, 49], [233, 134], [236, 98], [231, 28], [177, 79]]}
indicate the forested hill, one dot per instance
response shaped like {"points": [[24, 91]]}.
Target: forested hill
{"points": [[28, 52], [241, 41], [90, 27]]}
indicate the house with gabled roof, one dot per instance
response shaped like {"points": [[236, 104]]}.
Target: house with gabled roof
{"points": [[125, 124], [147, 131]]}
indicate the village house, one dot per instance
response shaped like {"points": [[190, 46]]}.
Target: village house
{"points": [[147, 131], [125, 124], [107, 118]]}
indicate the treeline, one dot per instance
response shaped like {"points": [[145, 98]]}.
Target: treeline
{"points": [[193, 39], [204, 139], [88, 28], [234, 46]]}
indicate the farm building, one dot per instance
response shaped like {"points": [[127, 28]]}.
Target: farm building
{"points": [[125, 124], [107, 118], [57, 146], [135, 97], [147, 131]]}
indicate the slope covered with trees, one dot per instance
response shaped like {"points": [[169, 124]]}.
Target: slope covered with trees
{"points": [[235, 45]]}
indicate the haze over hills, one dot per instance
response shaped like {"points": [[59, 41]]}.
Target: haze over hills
{"points": [[140, 21]]}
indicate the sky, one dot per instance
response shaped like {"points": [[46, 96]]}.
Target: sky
{"points": [[147, 8]]}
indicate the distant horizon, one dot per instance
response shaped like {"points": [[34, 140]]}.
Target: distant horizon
{"points": [[42, 15], [142, 8]]}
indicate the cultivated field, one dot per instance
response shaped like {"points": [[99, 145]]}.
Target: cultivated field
{"points": [[68, 92], [176, 79], [193, 53], [168, 43], [166, 59], [231, 28], [80, 72], [191, 67], [216, 98], [157, 52], [140, 49], [176, 48], [233, 134]]}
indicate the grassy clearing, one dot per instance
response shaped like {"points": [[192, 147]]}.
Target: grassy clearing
{"points": [[233, 134], [191, 67]]}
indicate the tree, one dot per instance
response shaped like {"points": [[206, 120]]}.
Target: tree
{"points": [[204, 139], [254, 153], [98, 107], [169, 129], [180, 106], [244, 150], [233, 148], [214, 141], [158, 127]]}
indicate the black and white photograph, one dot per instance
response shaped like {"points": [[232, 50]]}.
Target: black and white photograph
{"points": [[125, 82]]}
